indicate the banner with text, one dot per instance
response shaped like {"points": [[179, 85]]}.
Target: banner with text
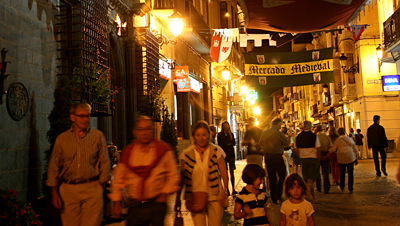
{"points": [[284, 69]]}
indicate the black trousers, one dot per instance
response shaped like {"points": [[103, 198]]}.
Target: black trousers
{"points": [[325, 168], [146, 214], [350, 173], [382, 152], [275, 165]]}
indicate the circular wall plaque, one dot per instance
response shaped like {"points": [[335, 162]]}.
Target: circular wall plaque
{"points": [[17, 101]]}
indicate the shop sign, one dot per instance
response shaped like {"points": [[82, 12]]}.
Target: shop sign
{"points": [[194, 85], [164, 71], [374, 81], [391, 82], [236, 108], [339, 111], [182, 78]]}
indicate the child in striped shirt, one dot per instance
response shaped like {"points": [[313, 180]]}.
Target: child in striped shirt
{"points": [[250, 203]]}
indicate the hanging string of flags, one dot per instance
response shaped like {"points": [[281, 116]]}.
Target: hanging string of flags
{"points": [[222, 39]]}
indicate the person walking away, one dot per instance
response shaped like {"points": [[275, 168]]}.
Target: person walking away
{"points": [[347, 153], [359, 142], [251, 138], [79, 161], [287, 150], [325, 158], [377, 140], [296, 210], [307, 147], [296, 158], [272, 141], [148, 170], [202, 167], [251, 202], [333, 135], [226, 141], [352, 133], [213, 130]]}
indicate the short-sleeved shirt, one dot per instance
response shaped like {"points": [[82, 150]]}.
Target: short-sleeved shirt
{"points": [[200, 170], [310, 152], [297, 214], [256, 203]]}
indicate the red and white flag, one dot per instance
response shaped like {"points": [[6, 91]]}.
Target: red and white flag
{"points": [[357, 30], [221, 47]]}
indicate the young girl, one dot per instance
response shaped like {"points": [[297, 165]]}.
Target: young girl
{"points": [[296, 211], [250, 203]]}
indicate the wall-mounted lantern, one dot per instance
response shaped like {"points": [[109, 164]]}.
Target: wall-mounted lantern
{"points": [[379, 55], [122, 30], [343, 64]]}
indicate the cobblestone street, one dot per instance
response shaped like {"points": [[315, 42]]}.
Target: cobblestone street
{"points": [[375, 201]]}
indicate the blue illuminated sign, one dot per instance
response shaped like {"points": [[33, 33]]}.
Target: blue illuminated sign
{"points": [[391, 82]]}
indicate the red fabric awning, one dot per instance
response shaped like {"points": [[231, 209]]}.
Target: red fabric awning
{"points": [[298, 16]]}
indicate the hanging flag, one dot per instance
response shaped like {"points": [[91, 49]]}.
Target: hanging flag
{"points": [[257, 39], [220, 47], [357, 30]]}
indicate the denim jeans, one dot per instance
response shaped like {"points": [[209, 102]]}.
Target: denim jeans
{"points": [[350, 173]]}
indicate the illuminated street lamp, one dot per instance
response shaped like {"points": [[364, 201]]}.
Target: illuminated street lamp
{"points": [[379, 55], [226, 74], [257, 111], [243, 89], [175, 24], [256, 122]]}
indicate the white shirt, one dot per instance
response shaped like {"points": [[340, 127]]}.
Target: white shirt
{"points": [[200, 170]]}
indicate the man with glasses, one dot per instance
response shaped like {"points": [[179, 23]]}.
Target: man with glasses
{"points": [[79, 161], [148, 170]]}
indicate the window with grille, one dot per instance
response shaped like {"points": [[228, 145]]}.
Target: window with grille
{"points": [[147, 72], [82, 40]]}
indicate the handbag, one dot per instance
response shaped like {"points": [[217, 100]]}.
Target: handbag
{"points": [[197, 202], [178, 218]]}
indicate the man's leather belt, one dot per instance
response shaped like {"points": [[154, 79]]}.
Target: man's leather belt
{"points": [[79, 181], [147, 201]]}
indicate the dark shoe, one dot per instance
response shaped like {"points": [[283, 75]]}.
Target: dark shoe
{"points": [[378, 174], [351, 192], [326, 192], [234, 192], [384, 173]]}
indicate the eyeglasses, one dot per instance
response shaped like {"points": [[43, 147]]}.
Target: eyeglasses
{"points": [[83, 116]]}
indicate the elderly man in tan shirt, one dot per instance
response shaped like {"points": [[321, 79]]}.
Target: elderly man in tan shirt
{"points": [[80, 163], [148, 170]]}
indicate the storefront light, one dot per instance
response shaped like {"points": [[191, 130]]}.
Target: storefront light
{"points": [[175, 24]]}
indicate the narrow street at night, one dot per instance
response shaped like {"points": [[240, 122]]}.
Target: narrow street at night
{"points": [[375, 201]]}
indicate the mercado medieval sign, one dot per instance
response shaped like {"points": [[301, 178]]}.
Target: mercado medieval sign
{"points": [[284, 69]]}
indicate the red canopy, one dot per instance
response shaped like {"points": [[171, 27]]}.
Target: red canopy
{"points": [[298, 16]]}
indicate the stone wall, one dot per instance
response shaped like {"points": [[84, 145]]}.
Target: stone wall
{"points": [[27, 33]]}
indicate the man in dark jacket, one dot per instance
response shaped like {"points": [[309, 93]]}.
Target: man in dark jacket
{"points": [[272, 142], [377, 140]]}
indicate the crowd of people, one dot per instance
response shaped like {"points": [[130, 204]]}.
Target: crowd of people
{"points": [[147, 171]]}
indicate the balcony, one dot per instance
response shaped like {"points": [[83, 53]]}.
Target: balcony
{"points": [[391, 32]]}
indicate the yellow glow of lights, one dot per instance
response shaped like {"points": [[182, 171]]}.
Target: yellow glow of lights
{"points": [[226, 74], [256, 122], [252, 101], [120, 24], [257, 111], [379, 52], [243, 89], [175, 24], [227, 14]]}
